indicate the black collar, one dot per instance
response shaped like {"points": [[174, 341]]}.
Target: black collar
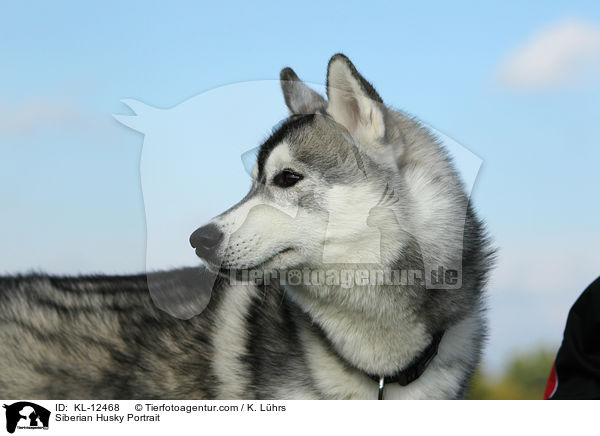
{"points": [[414, 370], [403, 377]]}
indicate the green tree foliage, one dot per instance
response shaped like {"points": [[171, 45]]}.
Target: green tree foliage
{"points": [[524, 378]]}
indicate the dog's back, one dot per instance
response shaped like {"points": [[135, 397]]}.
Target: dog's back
{"points": [[99, 337]]}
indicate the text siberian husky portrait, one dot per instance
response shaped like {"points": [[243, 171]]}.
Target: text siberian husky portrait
{"points": [[354, 268]]}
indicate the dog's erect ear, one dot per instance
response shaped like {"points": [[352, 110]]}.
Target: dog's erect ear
{"points": [[353, 102], [299, 98]]}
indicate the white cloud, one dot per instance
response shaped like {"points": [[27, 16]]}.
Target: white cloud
{"points": [[548, 265], [536, 281], [27, 117], [41, 113], [561, 54]]}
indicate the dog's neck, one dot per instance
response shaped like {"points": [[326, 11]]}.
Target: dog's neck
{"points": [[377, 339]]}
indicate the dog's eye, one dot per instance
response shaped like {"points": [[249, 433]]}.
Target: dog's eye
{"points": [[286, 178]]}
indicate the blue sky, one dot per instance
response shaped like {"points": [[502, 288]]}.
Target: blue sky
{"points": [[515, 83]]}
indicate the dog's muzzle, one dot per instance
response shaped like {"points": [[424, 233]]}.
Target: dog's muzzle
{"points": [[206, 240]]}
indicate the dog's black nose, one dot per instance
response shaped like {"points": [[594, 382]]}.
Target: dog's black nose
{"points": [[205, 240]]}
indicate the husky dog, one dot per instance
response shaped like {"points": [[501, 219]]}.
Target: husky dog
{"points": [[343, 187]]}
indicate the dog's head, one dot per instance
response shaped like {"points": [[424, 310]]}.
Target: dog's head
{"points": [[326, 185]]}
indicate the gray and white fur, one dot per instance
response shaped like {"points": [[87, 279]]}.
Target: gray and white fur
{"points": [[344, 184]]}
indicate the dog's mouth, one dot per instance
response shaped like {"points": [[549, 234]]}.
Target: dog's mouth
{"points": [[225, 269], [279, 253]]}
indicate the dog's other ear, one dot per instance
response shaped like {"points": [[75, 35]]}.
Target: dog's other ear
{"points": [[353, 102], [299, 98]]}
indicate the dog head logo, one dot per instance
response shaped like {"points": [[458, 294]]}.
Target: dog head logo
{"points": [[26, 415], [352, 205]]}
